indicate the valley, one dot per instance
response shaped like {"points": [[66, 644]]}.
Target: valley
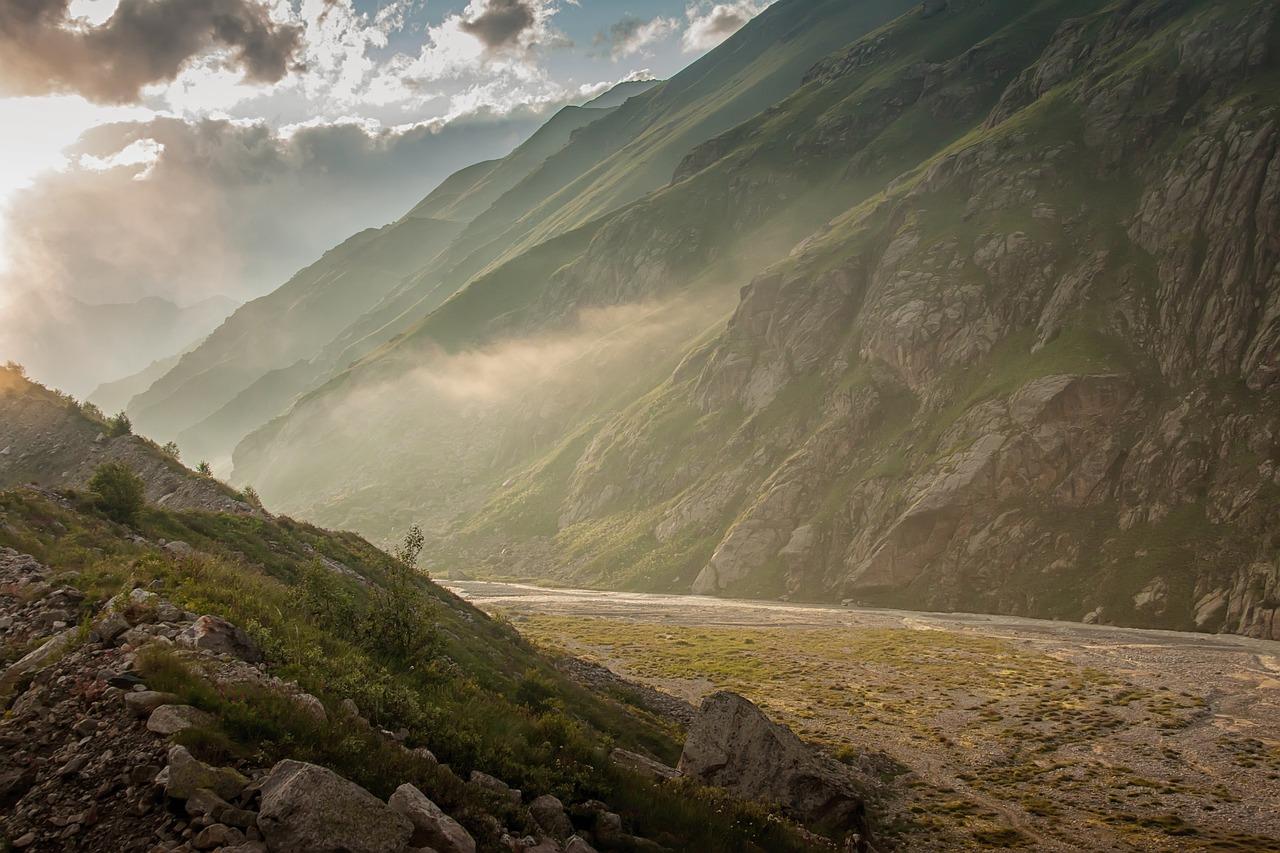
{"points": [[999, 732]]}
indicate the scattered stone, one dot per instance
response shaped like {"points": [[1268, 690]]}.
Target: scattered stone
{"points": [[431, 826], [217, 835], [496, 786], [577, 844], [312, 706], [168, 720], [309, 809], [143, 703], [548, 811], [182, 549], [186, 775], [218, 636]]}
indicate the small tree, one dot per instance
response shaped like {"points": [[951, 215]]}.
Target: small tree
{"points": [[410, 548], [171, 450], [119, 425], [119, 492], [204, 468]]}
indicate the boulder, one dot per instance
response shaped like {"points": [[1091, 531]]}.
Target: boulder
{"points": [[186, 774], [310, 809], [548, 811], [733, 745], [170, 719], [218, 636], [431, 826], [577, 844]]}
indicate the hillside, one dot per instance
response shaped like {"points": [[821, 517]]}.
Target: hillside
{"points": [[1007, 342], [280, 345], [253, 642]]}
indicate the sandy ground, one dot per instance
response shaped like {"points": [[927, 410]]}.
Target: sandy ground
{"points": [[1014, 733]]}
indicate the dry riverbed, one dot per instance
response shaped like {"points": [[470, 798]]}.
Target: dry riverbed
{"points": [[1008, 733]]}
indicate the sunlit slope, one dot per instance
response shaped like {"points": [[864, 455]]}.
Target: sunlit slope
{"points": [[248, 370], [1007, 278]]}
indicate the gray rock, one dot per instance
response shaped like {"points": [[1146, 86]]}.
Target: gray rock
{"points": [[185, 775], [496, 786], [548, 811], [733, 745], [144, 702], [218, 835], [218, 636], [309, 809], [431, 826], [170, 719]]}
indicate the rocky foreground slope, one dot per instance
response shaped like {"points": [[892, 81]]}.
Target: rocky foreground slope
{"points": [[1007, 340], [239, 682]]}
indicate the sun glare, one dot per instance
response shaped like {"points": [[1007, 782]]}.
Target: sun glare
{"points": [[34, 132]]}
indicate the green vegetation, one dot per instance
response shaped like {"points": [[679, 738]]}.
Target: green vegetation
{"points": [[318, 605], [119, 492]]}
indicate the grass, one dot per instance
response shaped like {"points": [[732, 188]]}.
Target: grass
{"points": [[1024, 732], [465, 695]]}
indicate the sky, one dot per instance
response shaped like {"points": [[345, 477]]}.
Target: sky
{"points": [[186, 149], [386, 66]]}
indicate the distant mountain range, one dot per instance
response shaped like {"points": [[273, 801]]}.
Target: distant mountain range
{"points": [[956, 305], [75, 344]]}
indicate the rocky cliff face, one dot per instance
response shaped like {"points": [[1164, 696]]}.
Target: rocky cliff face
{"points": [[1009, 341]]}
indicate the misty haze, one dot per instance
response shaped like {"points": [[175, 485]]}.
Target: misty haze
{"points": [[542, 426]]}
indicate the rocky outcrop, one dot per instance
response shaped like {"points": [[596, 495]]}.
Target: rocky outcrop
{"points": [[733, 745], [52, 443], [1032, 373]]}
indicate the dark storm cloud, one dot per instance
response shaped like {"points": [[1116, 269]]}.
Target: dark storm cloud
{"points": [[501, 23], [43, 51]]}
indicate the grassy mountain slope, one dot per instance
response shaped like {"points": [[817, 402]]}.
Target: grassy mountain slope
{"points": [[1010, 312], [242, 376], [456, 681]]}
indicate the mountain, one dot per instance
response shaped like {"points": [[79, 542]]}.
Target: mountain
{"points": [[77, 345], [528, 197], [982, 317], [114, 396], [250, 368], [202, 644]]}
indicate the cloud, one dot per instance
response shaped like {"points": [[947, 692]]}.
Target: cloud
{"points": [[630, 36], [43, 49], [501, 23], [187, 210], [708, 26]]}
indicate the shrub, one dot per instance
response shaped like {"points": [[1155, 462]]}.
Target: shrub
{"points": [[120, 493], [410, 548], [171, 450], [204, 468], [251, 497], [536, 691], [119, 425], [14, 367]]}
